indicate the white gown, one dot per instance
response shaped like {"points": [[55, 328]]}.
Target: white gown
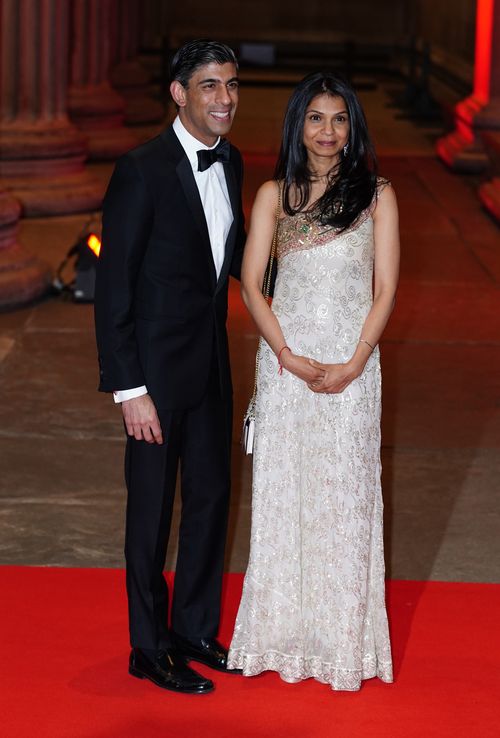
{"points": [[313, 601]]}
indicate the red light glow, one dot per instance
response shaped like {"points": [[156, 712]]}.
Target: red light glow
{"points": [[94, 244], [484, 34]]}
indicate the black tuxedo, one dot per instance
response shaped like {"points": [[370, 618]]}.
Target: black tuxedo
{"points": [[160, 307], [160, 321]]}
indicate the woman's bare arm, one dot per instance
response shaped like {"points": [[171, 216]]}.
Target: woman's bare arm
{"points": [[255, 261]]}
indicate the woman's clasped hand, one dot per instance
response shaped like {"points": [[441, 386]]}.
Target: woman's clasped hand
{"points": [[319, 377]]}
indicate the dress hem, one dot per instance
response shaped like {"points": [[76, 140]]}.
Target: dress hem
{"points": [[295, 668]]}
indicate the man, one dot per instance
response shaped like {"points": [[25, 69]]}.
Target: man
{"points": [[173, 232]]}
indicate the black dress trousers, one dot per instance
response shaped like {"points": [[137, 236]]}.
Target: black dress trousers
{"points": [[200, 439]]}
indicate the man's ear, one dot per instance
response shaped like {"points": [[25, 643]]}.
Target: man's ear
{"points": [[178, 93]]}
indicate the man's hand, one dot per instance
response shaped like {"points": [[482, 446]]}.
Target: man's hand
{"points": [[141, 419]]}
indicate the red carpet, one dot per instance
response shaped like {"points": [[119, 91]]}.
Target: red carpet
{"points": [[65, 652]]}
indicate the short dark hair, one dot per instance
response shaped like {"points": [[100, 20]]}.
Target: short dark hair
{"points": [[197, 54], [354, 184]]}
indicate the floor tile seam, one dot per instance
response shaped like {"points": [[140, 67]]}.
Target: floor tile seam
{"points": [[423, 155], [398, 507], [473, 286], [456, 225], [418, 341], [441, 449], [493, 583], [436, 342], [472, 252], [22, 324], [249, 336], [61, 331], [18, 308], [9, 436], [30, 318], [7, 345], [84, 497], [440, 580], [65, 433]]}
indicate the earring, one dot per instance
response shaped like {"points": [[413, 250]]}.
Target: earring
{"points": [[346, 149]]}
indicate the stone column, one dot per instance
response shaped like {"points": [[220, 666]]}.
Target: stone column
{"points": [[94, 106], [154, 26], [41, 154], [22, 277], [156, 21], [463, 149], [128, 76]]}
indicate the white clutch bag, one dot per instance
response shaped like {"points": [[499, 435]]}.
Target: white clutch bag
{"points": [[248, 433]]}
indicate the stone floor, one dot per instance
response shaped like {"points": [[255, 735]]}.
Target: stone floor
{"points": [[61, 444]]}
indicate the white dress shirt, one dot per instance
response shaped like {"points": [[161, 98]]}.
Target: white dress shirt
{"points": [[217, 207]]}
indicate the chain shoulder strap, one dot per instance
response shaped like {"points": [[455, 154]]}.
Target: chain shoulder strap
{"points": [[266, 287]]}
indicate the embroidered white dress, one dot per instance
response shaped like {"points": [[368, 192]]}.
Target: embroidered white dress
{"points": [[313, 601]]}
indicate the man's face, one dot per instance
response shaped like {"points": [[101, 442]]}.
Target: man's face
{"points": [[208, 104]]}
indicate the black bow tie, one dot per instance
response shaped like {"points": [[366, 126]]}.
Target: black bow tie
{"points": [[207, 157]]}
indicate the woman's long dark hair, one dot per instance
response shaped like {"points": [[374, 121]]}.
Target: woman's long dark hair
{"points": [[353, 182]]}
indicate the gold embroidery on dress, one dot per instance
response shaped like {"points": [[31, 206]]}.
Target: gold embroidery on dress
{"points": [[300, 232]]}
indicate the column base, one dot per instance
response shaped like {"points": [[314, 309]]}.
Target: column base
{"points": [[98, 111], [63, 195], [462, 154], [44, 169], [107, 144], [128, 74], [141, 109], [463, 150], [491, 143], [489, 194], [23, 278], [132, 82]]}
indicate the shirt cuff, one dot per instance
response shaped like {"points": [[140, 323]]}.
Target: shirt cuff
{"points": [[122, 395]]}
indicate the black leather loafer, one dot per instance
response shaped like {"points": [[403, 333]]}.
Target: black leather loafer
{"points": [[206, 651], [169, 671]]}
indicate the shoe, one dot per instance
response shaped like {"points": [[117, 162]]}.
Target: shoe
{"points": [[206, 651], [169, 671]]}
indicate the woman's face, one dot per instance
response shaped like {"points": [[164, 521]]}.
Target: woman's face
{"points": [[326, 127]]}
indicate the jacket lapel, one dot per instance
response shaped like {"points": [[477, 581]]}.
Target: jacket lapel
{"points": [[232, 188], [188, 183], [190, 188], [185, 174]]}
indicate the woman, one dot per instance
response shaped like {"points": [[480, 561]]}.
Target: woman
{"points": [[313, 597]]}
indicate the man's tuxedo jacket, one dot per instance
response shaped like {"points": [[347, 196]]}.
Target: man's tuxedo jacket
{"points": [[160, 310]]}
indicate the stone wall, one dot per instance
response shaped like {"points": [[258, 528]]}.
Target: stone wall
{"points": [[449, 28], [265, 20]]}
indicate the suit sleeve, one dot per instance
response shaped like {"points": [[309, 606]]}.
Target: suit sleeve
{"points": [[241, 236], [127, 222]]}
